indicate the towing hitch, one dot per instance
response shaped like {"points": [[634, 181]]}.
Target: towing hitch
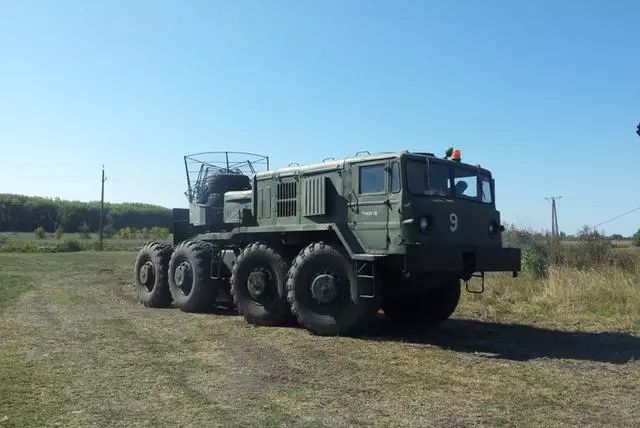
{"points": [[471, 290]]}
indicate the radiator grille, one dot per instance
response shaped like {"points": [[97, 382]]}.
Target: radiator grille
{"points": [[286, 199]]}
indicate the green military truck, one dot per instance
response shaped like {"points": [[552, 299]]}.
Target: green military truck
{"points": [[328, 244]]}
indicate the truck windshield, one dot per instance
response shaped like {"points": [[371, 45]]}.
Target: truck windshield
{"points": [[441, 179]]}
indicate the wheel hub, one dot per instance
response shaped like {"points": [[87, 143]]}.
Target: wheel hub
{"points": [[324, 288], [257, 284], [183, 277], [147, 276]]}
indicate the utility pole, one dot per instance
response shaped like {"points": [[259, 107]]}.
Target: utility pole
{"points": [[102, 211], [555, 231]]}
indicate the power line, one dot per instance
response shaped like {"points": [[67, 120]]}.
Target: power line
{"points": [[617, 217]]}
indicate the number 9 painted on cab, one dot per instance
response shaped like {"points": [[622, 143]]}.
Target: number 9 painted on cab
{"points": [[453, 220]]}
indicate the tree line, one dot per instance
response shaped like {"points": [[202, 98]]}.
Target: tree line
{"points": [[19, 213]]}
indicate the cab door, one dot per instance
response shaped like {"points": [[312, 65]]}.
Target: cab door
{"points": [[369, 204], [394, 183]]}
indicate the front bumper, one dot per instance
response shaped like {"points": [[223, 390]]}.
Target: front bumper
{"points": [[462, 259]]}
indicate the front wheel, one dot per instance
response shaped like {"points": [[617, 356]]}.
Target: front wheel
{"points": [[320, 285], [426, 309]]}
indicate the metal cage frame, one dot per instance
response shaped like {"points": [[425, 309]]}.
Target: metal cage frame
{"points": [[209, 163]]}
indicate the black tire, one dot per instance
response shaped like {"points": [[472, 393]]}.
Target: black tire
{"points": [[426, 309], [151, 277], [190, 281], [223, 182], [220, 183], [319, 292], [258, 286], [215, 200]]}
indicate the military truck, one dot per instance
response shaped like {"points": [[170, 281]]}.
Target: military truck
{"points": [[328, 244]]}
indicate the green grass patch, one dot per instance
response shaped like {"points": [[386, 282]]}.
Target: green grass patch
{"points": [[11, 287]]}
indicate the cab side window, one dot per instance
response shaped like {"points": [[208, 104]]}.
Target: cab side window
{"points": [[372, 178]]}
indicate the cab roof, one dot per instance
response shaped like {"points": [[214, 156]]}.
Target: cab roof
{"points": [[338, 164]]}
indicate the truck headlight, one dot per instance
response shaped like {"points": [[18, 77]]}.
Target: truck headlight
{"points": [[425, 224], [494, 228]]}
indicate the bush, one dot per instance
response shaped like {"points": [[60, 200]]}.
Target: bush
{"points": [[40, 232], [160, 232], [592, 249], [84, 231], [109, 231], [625, 259], [67, 246], [537, 250], [636, 238], [535, 261], [143, 233], [126, 233], [59, 232]]}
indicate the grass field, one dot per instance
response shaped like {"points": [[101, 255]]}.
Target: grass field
{"points": [[77, 349]]}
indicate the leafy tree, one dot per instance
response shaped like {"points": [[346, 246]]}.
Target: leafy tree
{"points": [[636, 238], [21, 213]]}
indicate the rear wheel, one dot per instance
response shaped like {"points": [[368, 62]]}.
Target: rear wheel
{"points": [[190, 281], [426, 309], [258, 285], [150, 273], [320, 286]]}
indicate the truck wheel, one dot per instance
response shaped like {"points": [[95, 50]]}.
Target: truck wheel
{"points": [[426, 310], [258, 286], [190, 281], [150, 273], [319, 292]]}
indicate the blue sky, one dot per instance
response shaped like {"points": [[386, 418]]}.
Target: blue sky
{"points": [[546, 94]]}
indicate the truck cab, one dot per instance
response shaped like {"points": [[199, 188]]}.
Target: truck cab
{"points": [[429, 214]]}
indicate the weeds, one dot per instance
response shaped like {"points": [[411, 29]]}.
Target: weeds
{"points": [[40, 233], [67, 246]]}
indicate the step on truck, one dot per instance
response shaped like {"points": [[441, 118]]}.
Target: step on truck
{"points": [[328, 244]]}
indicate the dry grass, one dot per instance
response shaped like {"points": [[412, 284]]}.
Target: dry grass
{"points": [[78, 350], [607, 298]]}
